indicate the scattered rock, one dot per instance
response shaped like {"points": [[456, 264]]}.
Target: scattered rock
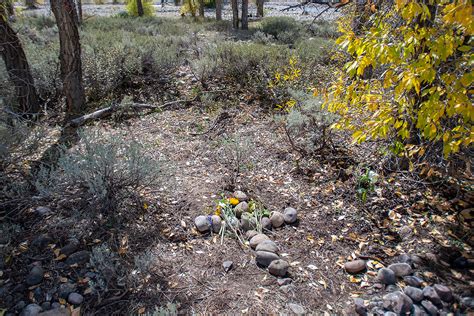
{"points": [[255, 240], [390, 314], [392, 288], [31, 310], [241, 196], [250, 233], [248, 222], [405, 258], [278, 268], [227, 265], [80, 257], [414, 293], [287, 288], [75, 299], [397, 302], [386, 276], [56, 312], [41, 241], [444, 292], [266, 223], [42, 210], [277, 219], [267, 245], [359, 306], [418, 311], [46, 306], [284, 281], [355, 266], [289, 215], [35, 276], [264, 258], [413, 281], [430, 308], [430, 294], [19, 305], [216, 223], [202, 223], [467, 302], [65, 289], [405, 232], [241, 208], [401, 269], [297, 309], [71, 247]]}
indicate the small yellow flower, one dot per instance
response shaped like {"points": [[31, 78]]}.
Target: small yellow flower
{"points": [[145, 206], [233, 201], [218, 210]]}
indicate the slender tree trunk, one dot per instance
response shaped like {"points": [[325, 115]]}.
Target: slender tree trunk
{"points": [[235, 13], [17, 67], [70, 56], [177, 2], [219, 10], [260, 8], [201, 8], [139, 7], [245, 14], [79, 11]]}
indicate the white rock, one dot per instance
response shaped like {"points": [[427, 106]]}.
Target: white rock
{"points": [[289, 215], [202, 223]]}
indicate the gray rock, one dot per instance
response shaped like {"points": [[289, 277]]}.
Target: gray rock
{"points": [[71, 247], [386, 276], [430, 308], [248, 222], [56, 312], [202, 223], [397, 302], [390, 314], [241, 208], [290, 215], [405, 258], [278, 268], [216, 223], [418, 311], [355, 266], [227, 265], [414, 293], [56, 305], [75, 298], [297, 309], [267, 245], [250, 233], [31, 310], [42, 210], [46, 306], [359, 306], [430, 294], [65, 289], [467, 302], [287, 288], [241, 196], [80, 257], [41, 241], [405, 232], [266, 223], [392, 288], [277, 219], [35, 276], [413, 281], [284, 281], [401, 269], [257, 239], [444, 292], [264, 258], [19, 306]]}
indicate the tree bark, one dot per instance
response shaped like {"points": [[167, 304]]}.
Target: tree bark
{"points": [[17, 67], [260, 8], [70, 56], [219, 10], [235, 14], [79, 11], [201, 8], [245, 14], [139, 7]]}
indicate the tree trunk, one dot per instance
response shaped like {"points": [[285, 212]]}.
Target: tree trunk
{"points": [[201, 8], [235, 13], [79, 11], [260, 8], [17, 67], [70, 56], [219, 10], [139, 7], [245, 14], [177, 2]]}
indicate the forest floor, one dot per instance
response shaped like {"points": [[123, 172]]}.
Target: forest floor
{"points": [[208, 151]]}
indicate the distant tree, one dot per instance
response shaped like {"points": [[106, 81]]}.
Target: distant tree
{"points": [[17, 66], [201, 8], [245, 14], [140, 8], [69, 56], [218, 10], [235, 13], [79, 11], [260, 8]]}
